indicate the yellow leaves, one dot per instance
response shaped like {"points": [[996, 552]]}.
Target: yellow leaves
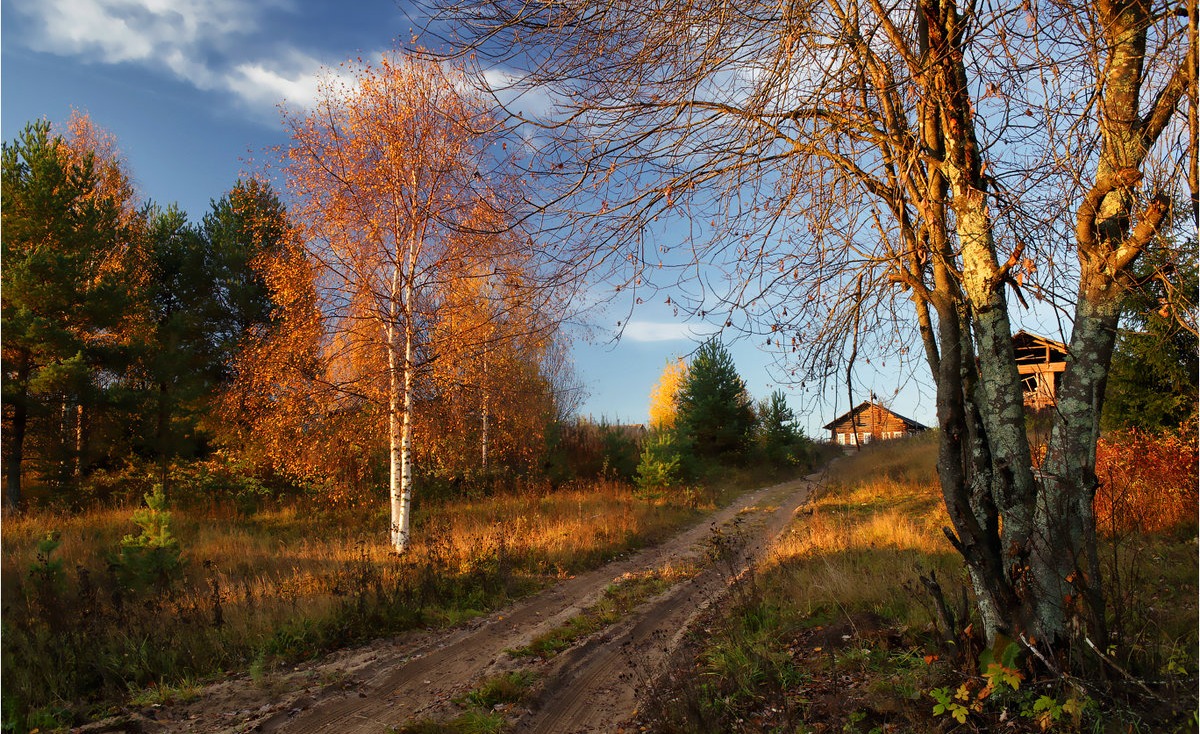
{"points": [[663, 398]]}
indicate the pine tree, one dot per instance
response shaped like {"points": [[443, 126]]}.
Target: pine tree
{"points": [[715, 413], [70, 285], [246, 226], [778, 436]]}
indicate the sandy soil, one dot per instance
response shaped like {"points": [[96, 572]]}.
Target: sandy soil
{"points": [[591, 687]]}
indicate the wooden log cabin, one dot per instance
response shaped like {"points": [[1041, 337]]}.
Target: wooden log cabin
{"points": [[1040, 363], [869, 422]]}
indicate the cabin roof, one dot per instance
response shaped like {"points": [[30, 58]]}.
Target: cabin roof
{"points": [[908, 422], [1025, 340]]}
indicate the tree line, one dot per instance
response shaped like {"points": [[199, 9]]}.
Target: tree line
{"points": [[702, 417], [121, 319], [391, 319]]}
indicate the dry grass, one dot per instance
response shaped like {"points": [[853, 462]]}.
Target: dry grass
{"points": [[1148, 482], [283, 584], [874, 523], [831, 626], [835, 633], [301, 554]]}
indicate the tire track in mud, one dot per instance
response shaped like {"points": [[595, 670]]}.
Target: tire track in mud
{"points": [[595, 687], [591, 687]]}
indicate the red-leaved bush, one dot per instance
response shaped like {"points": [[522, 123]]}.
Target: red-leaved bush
{"points": [[1148, 481]]}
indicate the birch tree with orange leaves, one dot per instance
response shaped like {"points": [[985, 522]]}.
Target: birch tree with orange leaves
{"points": [[396, 193], [489, 405]]}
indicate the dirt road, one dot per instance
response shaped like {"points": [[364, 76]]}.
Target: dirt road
{"points": [[591, 687]]}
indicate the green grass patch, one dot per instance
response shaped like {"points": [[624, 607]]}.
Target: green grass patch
{"points": [[504, 688], [165, 695], [619, 599]]}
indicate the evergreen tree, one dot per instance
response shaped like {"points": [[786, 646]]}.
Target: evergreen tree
{"points": [[204, 298], [180, 362], [70, 287], [715, 412], [246, 226], [778, 436], [1153, 381]]}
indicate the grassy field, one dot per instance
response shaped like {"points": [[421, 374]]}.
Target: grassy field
{"points": [[254, 591], [836, 632]]}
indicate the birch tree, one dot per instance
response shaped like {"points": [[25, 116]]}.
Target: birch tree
{"points": [[493, 397], [854, 178], [664, 397], [390, 177]]}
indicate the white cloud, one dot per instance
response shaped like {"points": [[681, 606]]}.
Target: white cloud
{"points": [[664, 331], [117, 31], [296, 81], [201, 42], [516, 96]]}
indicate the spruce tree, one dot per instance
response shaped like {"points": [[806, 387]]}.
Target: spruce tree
{"points": [[715, 412], [1152, 383], [779, 438]]}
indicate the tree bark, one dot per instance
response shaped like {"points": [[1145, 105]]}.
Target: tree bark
{"points": [[406, 467], [395, 403], [16, 445], [486, 417], [400, 414]]}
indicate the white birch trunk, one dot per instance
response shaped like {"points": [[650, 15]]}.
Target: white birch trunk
{"points": [[79, 440], [401, 400], [395, 491], [403, 518]]}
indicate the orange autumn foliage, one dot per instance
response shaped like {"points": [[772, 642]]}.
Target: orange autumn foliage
{"points": [[1148, 481], [85, 137], [409, 325]]}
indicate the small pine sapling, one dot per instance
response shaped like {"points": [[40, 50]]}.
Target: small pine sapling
{"points": [[152, 558]]}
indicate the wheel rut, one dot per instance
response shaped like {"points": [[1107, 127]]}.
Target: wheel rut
{"points": [[591, 687]]}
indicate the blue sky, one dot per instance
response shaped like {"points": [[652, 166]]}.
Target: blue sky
{"points": [[190, 89]]}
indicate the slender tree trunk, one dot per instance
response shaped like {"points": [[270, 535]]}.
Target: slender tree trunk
{"points": [[16, 437], [406, 428], [162, 429], [395, 431], [78, 468], [483, 450], [400, 412]]}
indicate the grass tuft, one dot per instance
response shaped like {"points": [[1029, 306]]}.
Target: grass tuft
{"points": [[505, 688]]}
